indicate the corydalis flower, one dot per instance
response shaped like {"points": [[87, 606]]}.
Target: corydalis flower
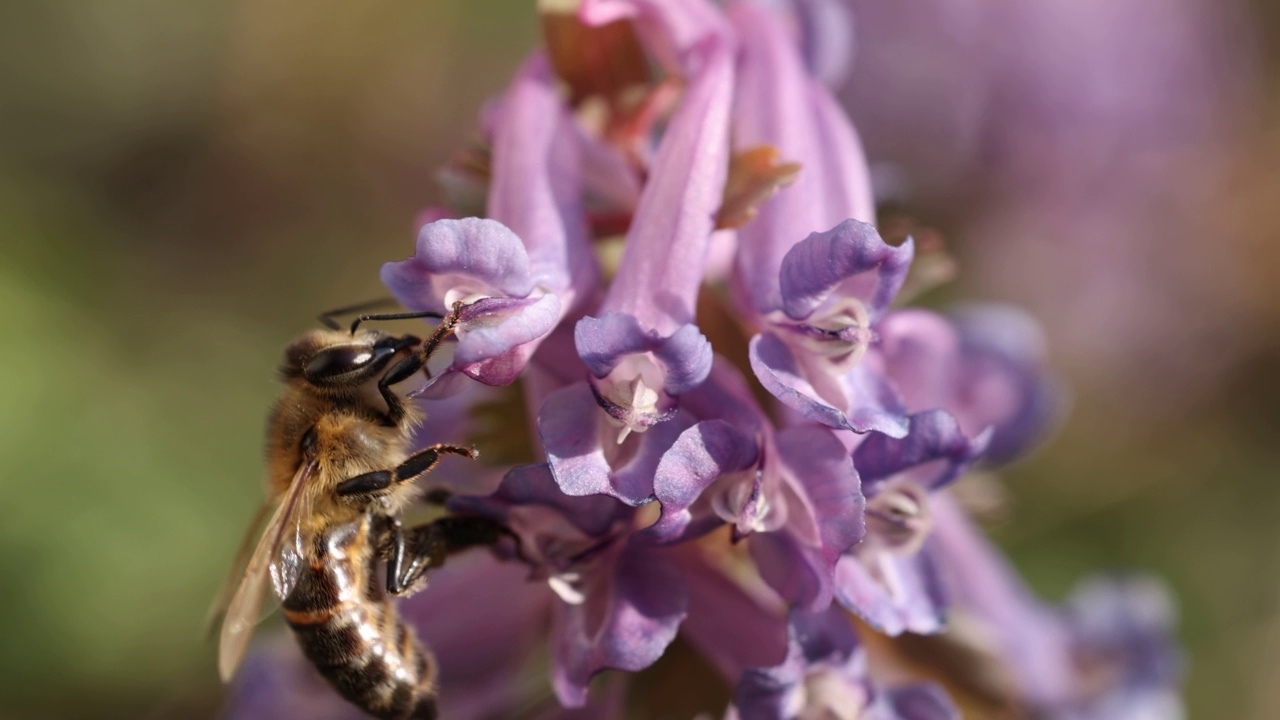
{"points": [[810, 269], [518, 273], [744, 499], [642, 347], [824, 675]]}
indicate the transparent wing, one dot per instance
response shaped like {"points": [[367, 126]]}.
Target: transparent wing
{"points": [[218, 609], [242, 611]]}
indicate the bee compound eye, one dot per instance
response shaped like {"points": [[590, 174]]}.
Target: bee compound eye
{"points": [[337, 364]]}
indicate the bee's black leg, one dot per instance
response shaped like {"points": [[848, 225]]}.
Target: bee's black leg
{"points": [[424, 547], [405, 369], [418, 464]]}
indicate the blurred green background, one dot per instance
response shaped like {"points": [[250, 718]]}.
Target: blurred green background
{"points": [[184, 185]]}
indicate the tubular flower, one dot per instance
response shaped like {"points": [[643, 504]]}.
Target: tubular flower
{"points": [[811, 271], [739, 447], [519, 272], [824, 675], [643, 349]]}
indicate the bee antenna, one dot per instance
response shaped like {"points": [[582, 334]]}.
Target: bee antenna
{"points": [[327, 318], [394, 316]]}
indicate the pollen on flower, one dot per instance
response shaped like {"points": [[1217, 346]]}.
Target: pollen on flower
{"points": [[635, 387], [564, 586], [840, 332], [827, 696], [898, 519], [463, 294]]}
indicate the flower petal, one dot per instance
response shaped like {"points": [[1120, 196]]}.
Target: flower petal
{"points": [[817, 642], [603, 343], [777, 370], [796, 571], [665, 254], [905, 594], [700, 455], [850, 257], [778, 102], [735, 626], [536, 189], [569, 424], [492, 326], [921, 350], [467, 255], [629, 618], [1010, 385], [935, 447], [830, 486]]}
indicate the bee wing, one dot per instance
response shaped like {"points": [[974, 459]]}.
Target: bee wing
{"points": [[218, 609], [242, 611]]}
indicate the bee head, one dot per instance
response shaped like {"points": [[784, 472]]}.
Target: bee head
{"points": [[331, 359]]}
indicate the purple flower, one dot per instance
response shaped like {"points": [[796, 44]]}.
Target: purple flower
{"points": [[620, 604], [792, 493], [740, 442], [520, 272], [642, 347], [825, 675], [813, 272], [891, 579], [986, 366]]}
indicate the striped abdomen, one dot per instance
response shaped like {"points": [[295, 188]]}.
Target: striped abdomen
{"points": [[353, 635]]}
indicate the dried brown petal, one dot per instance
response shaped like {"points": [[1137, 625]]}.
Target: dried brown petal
{"points": [[754, 176]]}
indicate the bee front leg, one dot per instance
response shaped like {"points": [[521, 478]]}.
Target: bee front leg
{"points": [[405, 369], [426, 546]]}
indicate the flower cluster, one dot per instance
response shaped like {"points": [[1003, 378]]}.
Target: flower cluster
{"points": [[747, 442]]}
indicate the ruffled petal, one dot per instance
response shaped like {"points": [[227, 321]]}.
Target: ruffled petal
{"points": [[456, 259], [902, 594], [573, 433], [850, 258], [935, 452], [630, 615], [703, 453], [776, 368], [491, 327], [604, 342]]}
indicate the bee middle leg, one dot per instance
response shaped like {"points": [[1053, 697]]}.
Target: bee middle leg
{"points": [[417, 465], [414, 551]]}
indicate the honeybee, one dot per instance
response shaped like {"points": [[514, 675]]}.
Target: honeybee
{"points": [[339, 471]]}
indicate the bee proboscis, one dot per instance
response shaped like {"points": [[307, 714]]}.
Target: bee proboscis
{"points": [[340, 470]]}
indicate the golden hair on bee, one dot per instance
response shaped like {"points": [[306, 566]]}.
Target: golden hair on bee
{"points": [[339, 469]]}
